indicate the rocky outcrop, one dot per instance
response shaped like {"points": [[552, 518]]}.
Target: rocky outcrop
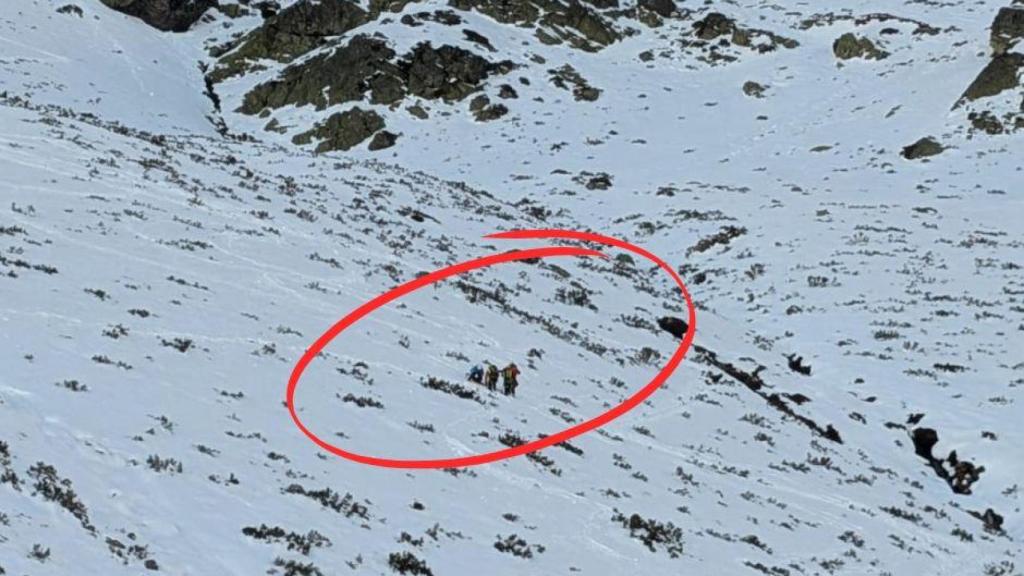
{"points": [[663, 8], [484, 111], [343, 131], [1001, 73], [568, 78], [329, 79], [367, 65], [167, 15], [959, 474], [1007, 29], [580, 26], [715, 33], [294, 31], [849, 46], [714, 25]]}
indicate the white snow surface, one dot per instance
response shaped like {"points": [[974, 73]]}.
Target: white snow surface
{"points": [[131, 230]]}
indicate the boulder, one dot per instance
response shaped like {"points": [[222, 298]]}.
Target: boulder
{"points": [[924, 440], [167, 15], [714, 25], [382, 140], [923, 148], [850, 46], [674, 326]]}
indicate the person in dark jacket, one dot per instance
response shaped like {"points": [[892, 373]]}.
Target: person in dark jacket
{"points": [[476, 374], [510, 374], [491, 377]]}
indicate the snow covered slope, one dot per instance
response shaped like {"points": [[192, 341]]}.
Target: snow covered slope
{"points": [[163, 265]]}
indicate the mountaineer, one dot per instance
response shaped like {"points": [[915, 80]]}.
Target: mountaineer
{"points": [[476, 374], [510, 374], [491, 378]]}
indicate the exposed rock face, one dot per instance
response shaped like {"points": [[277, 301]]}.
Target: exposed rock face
{"points": [[294, 31], [716, 33], [368, 65], [850, 46], [328, 79], [484, 111], [1007, 29], [447, 72], [714, 25], [923, 148], [556, 22], [343, 130], [1002, 73], [382, 140], [568, 78], [167, 15], [663, 8]]}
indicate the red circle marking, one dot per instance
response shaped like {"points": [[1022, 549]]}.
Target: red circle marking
{"points": [[483, 262]]}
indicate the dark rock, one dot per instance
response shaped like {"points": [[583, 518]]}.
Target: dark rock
{"points": [[796, 364], [70, 9], [663, 8], [850, 46], [478, 103], [992, 521], [418, 111], [600, 181], [923, 148], [924, 440], [572, 21], [1007, 29], [233, 10], [382, 140], [480, 39], [1002, 73], [986, 122], [343, 130], [484, 111], [267, 8], [674, 326], [326, 80], [378, 7], [964, 473], [294, 31], [167, 15], [714, 25], [506, 91], [447, 72], [568, 78], [753, 89]]}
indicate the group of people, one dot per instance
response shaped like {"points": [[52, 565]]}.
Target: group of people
{"points": [[489, 377]]}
